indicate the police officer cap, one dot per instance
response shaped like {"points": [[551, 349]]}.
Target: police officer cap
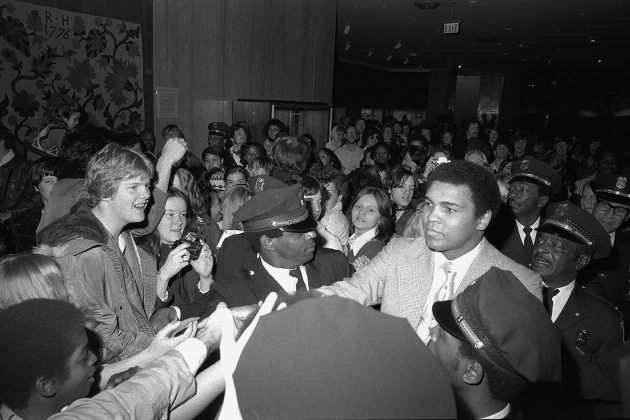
{"points": [[612, 188], [277, 208], [570, 222], [530, 169], [218, 128], [506, 324]]}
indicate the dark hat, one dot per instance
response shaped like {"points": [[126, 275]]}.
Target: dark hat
{"points": [[570, 222], [612, 188], [277, 208], [507, 325], [478, 144], [263, 182], [530, 169], [218, 128], [330, 357]]}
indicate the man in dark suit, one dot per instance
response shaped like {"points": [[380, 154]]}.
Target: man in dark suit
{"points": [[610, 277], [533, 183], [590, 326], [279, 229]]}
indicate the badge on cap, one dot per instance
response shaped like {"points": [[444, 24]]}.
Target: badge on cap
{"points": [[621, 182], [524, 164], [259, 185], [582, 337]]}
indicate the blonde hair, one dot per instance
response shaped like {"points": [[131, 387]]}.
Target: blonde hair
{"points": [[233, 201], [413, 227], [30, 276]]}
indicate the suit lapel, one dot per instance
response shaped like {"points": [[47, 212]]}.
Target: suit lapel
{"points": [[415, 283], [260, 281], [481, 264], [572, 312]]}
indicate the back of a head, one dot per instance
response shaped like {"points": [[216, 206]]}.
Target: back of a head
{"points": [[111, 165], [483, 187], [43, 333], [292, 154], [79, 146], [171, 131], [30, 276]]}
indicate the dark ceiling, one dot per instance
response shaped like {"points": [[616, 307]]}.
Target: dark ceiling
{"points": [[495, 35]]}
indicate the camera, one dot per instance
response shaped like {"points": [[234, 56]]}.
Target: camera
{"points": [[194, 241]]}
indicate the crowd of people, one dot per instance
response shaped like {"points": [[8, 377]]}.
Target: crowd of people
{"points": [[388, 271]]}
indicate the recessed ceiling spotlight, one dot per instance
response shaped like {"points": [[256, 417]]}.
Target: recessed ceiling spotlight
{"points": [[592, 40], [389, 57], [413, 54], [507, 28], [521, 45], [348, 45], [406, 61], [459, 66], [599, 61], [370, 52], [505, 53], [427, 4], [398, 45]]}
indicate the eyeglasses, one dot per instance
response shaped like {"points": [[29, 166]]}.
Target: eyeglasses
{"points": [[605, 206]]}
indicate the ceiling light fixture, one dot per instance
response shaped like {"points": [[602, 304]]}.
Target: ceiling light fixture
{"points": [[389, 57], [370, 52], [347, 29], [348, 45], [398, 45], [406, 61]]}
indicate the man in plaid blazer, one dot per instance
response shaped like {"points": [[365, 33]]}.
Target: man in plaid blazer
{"points": [[409, 275]]}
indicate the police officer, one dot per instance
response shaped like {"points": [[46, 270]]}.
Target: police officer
{"points": [[590, 327], [532, 185]]}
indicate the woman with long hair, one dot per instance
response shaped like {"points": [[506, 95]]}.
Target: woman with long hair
{"points": [[402, 186], [232, 201], [372, 223]]}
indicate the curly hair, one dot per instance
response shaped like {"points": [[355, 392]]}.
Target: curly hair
{"points": [[483, 187]]}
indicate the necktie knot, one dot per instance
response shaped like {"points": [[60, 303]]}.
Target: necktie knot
{"points": [[548, 294], [527, 230], [448, 288]]}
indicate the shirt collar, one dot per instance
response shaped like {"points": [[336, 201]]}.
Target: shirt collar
{"points": [[500, 414], [461, 264], [274, 271], [533, 226], [7, 158], [357, 242]]}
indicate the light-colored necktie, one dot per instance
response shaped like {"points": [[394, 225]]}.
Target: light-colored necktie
{"points": [[446, 291]]}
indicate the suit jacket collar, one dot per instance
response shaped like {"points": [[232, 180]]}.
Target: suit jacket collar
{"points": [[573, 311]]}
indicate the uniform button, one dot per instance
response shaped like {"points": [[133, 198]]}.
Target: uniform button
{"points": [[120, 309], [251, 272]]}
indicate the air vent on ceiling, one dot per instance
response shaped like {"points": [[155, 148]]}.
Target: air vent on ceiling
{"points": [[427, 4]]}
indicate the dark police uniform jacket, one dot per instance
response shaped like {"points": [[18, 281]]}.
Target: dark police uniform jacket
{"points": [[251, 283], [590, 329]]}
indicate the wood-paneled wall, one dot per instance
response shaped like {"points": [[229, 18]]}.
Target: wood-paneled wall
{"points": [[217, 51]]}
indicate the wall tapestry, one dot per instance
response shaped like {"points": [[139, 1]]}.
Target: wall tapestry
{"points": [[47, 53]]}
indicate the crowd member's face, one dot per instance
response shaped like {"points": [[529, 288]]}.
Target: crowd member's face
{"points": [[448, 220], [520, 146], [251, 154], [493, 135], [609, 215], [476, 158], [593, 146], [445, 348], [381, 155], [173, 222], [240, 137], [607, 163], [46, 185], [255, 169], [314, 205], [365, 214], [294, 249], [215, 140], [371, 141], [234, 179], [524, 198], [447, 139], [426, 133], [323, 156], [588, 200], [149, 140], [556, 259], [331, 187], [473, 130], [268, 145], [352, 135], [272, 131], [387, 134], [127, 205], [501, 152], [360, 126], [402, 195], [409, 163], [397, 128], [561, 148], [81, 374], [405, 129], [339, 134], [212, 161]]}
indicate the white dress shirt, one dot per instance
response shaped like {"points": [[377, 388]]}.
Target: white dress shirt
{"points": [[284, 279], [357, 242], [460, 266], [560, 299]]}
